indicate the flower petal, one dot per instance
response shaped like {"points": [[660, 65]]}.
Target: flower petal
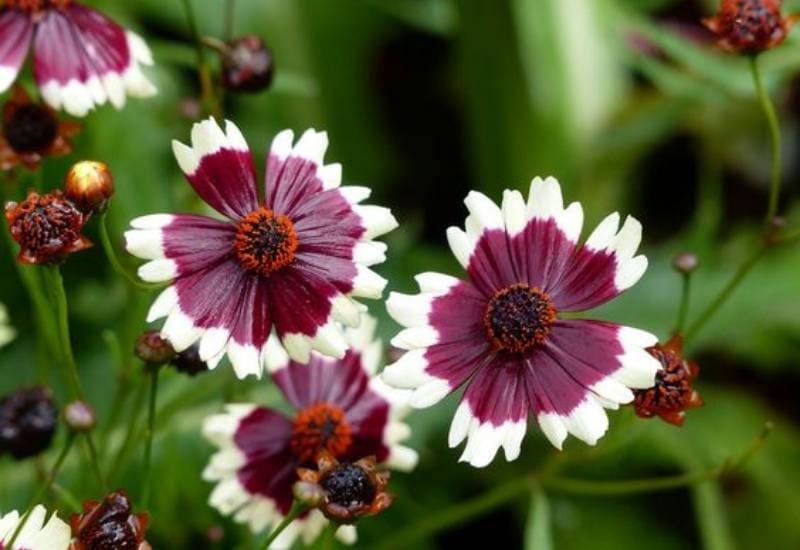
{"points": [[16, 31]]}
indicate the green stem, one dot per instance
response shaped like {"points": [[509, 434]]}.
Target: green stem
{"points": [[56, 282], [329, 535], [113, 259], [230, 12], [294, 512], [203, 72], [683, 309], [122, 456], [67, 497], [775, 140], [148, 442], [94, 458], [726, 292], [43, 488]]}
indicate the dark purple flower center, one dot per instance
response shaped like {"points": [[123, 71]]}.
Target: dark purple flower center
{"points": [[518, 318], [320, 426], [265, 242], [30, 128], [349, 485]]}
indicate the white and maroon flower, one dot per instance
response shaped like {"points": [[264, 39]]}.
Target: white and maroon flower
{"points": [[293, 262], [500, 332], [340, 406], [81, 58], [35, 534]]}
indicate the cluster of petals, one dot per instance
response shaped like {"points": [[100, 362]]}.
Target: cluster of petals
{"points": [[500, 332], [81, 58], [284, 270], [260, 449], [38, 533]]}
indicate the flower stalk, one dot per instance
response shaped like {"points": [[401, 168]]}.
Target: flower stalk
{"points": [[295, 511], [113, 259], [208, 95], [148, 442]]}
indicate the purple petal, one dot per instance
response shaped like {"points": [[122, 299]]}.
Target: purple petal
{"points": [[491, 265], [588, 281], [218, 296], [16, 31], [255, 322], [541, 253], [301, 298], [263, 437], [498, 391], [290, 181], [196, 242], [463, 345]]}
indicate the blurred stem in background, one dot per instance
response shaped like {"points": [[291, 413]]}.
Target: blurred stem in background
{"points": [[772, 206], [148, 442], [208, 95], [295, 511], [113, 259], [43, 488], [546, 476]]}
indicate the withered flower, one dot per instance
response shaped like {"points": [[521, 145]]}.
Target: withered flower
{"points": [[673, 394], [31, 132], [348, 490], [47, 227], [749, 26], [109, 524], [28, 419]]}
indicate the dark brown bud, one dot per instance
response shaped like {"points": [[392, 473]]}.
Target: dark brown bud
{"points": [[188, 361], [47, 227], [247, 66], [90, 185], [28, 419], [749, 26], [153, 349], [79, 417], [685, 262]]}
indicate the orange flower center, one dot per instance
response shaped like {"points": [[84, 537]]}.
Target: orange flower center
{"points": [[265, 242], [34, 6], [320, 426], [518, 318]]}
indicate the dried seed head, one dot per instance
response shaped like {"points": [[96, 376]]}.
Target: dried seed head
{"points": [[247, 66], [90, 185], [28, 419], [109, 524], [749, 26], [153, 349]]}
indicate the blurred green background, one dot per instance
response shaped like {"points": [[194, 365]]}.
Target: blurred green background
{"points": [[625, 101]]}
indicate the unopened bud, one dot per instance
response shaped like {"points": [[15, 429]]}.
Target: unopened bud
{"points": [[89, 185], [685, 262], [153, 349], [79, 416], [248, 65]]}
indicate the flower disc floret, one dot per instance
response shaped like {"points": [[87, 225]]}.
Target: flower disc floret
{"points": [[265, 242], [518, 318], [320, 426]]}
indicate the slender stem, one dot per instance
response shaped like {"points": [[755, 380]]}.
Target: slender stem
{"points": [[329, 535], [545, 476], [775, 140], [95, 460], [726, 292], [62, 315], [203, 72], [230, 12], [294, 512], [683, 309], [66, 496], [113, 259], [43, 488], [126, 448], [148, 442]]}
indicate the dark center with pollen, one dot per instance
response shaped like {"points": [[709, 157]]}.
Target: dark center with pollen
{"points": [[320, 426], [30, 129], [349, 485], [265, 242], [518, 318]]}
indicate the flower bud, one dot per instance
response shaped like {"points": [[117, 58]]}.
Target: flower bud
{"points": [[90, 185], [153, 349], [79, 417], [248, 65], [28, 419], [188, 361], [685, 262], [47, 227]]}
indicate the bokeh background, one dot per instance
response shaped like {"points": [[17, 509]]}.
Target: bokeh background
{"points": [[625, 101]]}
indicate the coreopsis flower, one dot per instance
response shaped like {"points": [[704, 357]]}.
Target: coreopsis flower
{"points": [[340, 408], [36, 534], [31, 132], [28, 419], [347, 490], [294, 262], [749, 26], [7, 332], [247, 65], [673, 393], [501, 332], [81, 58], [109, 523], [47, 227]]}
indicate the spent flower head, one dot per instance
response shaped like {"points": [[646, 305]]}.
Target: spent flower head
{"points": [[749, 26], [109, 523], [28, 420]]}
